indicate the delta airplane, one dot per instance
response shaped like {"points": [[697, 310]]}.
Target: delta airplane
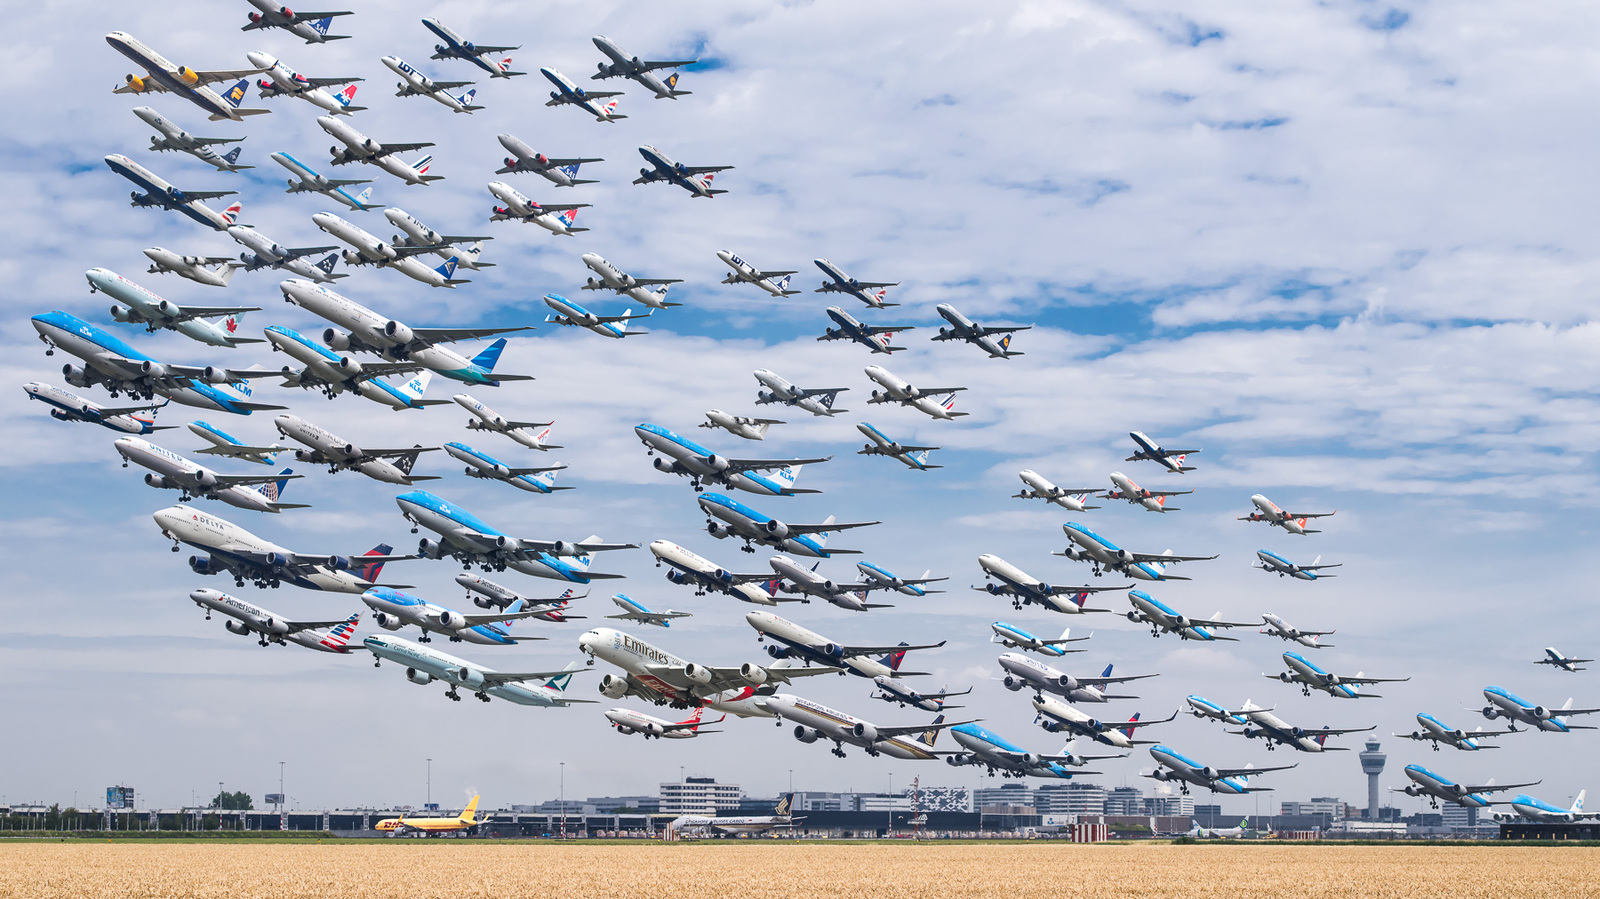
{"points": [[1435, 732], [680, 455], [989, 749], [791, 641], [1072, 499], [541, 479], [468, 540], [1271, 561], [688, 177], [745, 273], [739, 824], [1262, 723], [369, 250], [392, 466], [193, 267], [425, 665], [1171, 460], [1505, 704], [164, 77], [658, 676], [874, 337], [839, 282], [400, 826], [1308, 676], [1103, 555], [170, 471], [456, 48], [1022, 671], [175, 138], [569, 94], [417, 84], [633, 610], [1014, 637], [1437, 787], [158, 192], [625, 65], [624, 284], [627, 722], [486, 594], [884, 579], [282, 80], [557, 218], [1201, 707], [360, 148], [1554, 658], [311, 27], [246, 618], [1151, 500], [233, 549], [1545, 813], [1024, 588], [901, 693], [1056, 716], [224, 444], [572, 315], [808, 583], [486, 419], [914, 457], [727, 518], [394, 610], [814, 721], [1293, 522], [1174, 766], [816, 400], [898, 390], [154, 312], [523, 158], [445, 246], [963, 328], [68, 406], [307, 180], [688, 568], [1277, 627], [121, 368], [267, 253], [739, 425], [1163, 619], [334, 374]]}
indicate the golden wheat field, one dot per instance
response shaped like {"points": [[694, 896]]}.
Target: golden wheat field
{"points": [[759, 870]]}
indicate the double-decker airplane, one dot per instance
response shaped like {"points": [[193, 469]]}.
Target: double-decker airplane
{"points": [[658, 676]]}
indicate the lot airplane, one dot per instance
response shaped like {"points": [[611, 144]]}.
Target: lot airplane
{"points": [[246, 618], [170, 471], [963, 328], [282, 80], [572, 315], [454, 47], [540, 479], [311, 27], [425, 665], [814, 721], [806, 582], [1555, 659], [1171, 460], [990, 750], [1172, 765], [445, 246], [164, 77], [839, 282], [402, 825], [1056, 716], [1277, 627], [1103, 555], [334, 374], [467, 539], [817, 401], [1073, 499], [1435, 732], [1262, 723], [1505, 704], [633, 610], [557, 218], [392, 466], [1163, 619], [1293, 522], [898, 390], [175, 138], [569, 94], [791, 641], [224, 444], [523, 158], [417, 84], [624, 284], [680, 455], [728, 518], [1437, 787], [775, 283], [1024, 672], [696, 179], [394, 610], [739, 425], [883, 579], [1024, 588], [914, 457], [154, 312], [232, 549], [686, 567], [658, 676], [1016, 638], [307, 180], [628, 721], [357, 147], [159, 192], [531, 434], [625, 65], [874, 337], [1150, 500], [194, 268], [901, 693], [68, 406], [1305, 673]]}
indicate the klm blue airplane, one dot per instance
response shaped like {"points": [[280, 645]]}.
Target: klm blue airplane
{"points": [[334, 374], [1435, 732], [1172, 765], [915, 457], [987, 748], [727, 518], [467, 539], [1103, 555], [1437, 787], [1505, 704], [680, 455], [482, 465], [1306, 673], [394, 610], [887, 580], [1538, 810]]}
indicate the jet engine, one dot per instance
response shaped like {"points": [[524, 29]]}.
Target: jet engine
{"points": [[448, 619], [1014, 683], [806, 734], [717, 463], [336, 339], [153, 370], [662, 464], [1490, 712], [777, 529], [388, 622], [1133, 617], [865, 731], [777, 652], [237, 627], [718, 529], [1411, 790], [470, 678], [1031, 759], [1160, 774], [121, 314], [697, 673], [614, 687], [956, 761], [754, 674], [200, 565], [398, 332], [418, 677], [1124, 556], [136, 84], [482, 602], [1067, 682], [1286, 677], [1540, 712], [187, 76], [159, 481], [1209, 772], [430, 549]]}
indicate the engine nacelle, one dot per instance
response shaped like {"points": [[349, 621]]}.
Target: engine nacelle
{"points": [[614, 687], [717, 463], [1046, 589], [1013, 683], [865, 732], [1160, 774], [276, 561], [644, 173], [718, 529], [448, 619], [1134, 617], [1457, 734], [1542, 713], [74, 375], [305, 455], [418, 677], [429, 549], [1209, 772], [1050, 726], [205, 478], [777, 652], [1411, 790], [955, 761], [159, 481], [336, 339], [398, 332], [1298, 732], [806, 734], [832, 649], [755, 674], [1286, 677], [1031, 759], [200, 565], [388, 622], [153, 370], [1124, 556], [187, 76], [1457, 789], [700, 674], [1067, 682], [471, 678], [563, 548], [1076, 554], [1490, 712], [120, 313], [237, 627], [830, 587], [777, 529], [482, 603], [136, 84]]}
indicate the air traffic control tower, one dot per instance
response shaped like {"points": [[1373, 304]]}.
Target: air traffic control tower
{"points": [[1372, 765]]}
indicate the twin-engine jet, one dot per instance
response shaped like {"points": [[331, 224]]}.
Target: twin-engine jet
{"points": [[682, 456], [883, 579], [1150, 500], [323, 447], [232, 549], [642, 71], [569, 94], [1016, 638], [531, 434], [1172, 765], [1023, 588], [1024, 672], [1272, 562], [155, 312], [394, 609], [791, 641], [221, 443], [739, 425], [417, 84], [557, 218], [170, 471], [876, 338], [282, 80], [165, 77], [333, 374], [989, 750], [311, 27], [1505, 704], [307, 180], [902, 694], [1103, 555], [963, 328], [1073, 499], [570, 314], [1163, 619], [839, 282], [658, 676], [1535, 809], [686, 567], [1170, 459], [796, 578], [446, 246], [469, 540], [175, 138], [1260, 722], [425, 665], [728, 518], [486, 594], [1437, 787], [923, 399], [815, 721], [264, 252], [696, 179], [523, 158], [159, 193], [914, 457], [68, 406], [1304, 672], [816, 400], [357, 147], [1435, 732], [455, 47], [775, 283], [624, 284], [536, 479], [245, 618], [634, 610], [1555, 659], [212, 271], [628, 721], [1056, 716], [365, 249], [1277, 627], [1293, 522]]}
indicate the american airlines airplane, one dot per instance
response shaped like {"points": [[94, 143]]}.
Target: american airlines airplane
{"points": [[246, 618]]}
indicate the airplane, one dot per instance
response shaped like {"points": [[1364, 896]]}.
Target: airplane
{"points": [[164, 77], [332, 188], [739, 425], [817, 401], [963, 328], [839, 282], [417, 84], [334, 374], [367, 331], [486, 594], [1437, 787], [898, 390], [814, 721], [874, 337], [1538, 810], [1277, 627], [1103, 555], [627, 722], [1162, 618], [224, 444], [267, 253], [456, 48], [1171, 460], [745, 273], [1222, 833], [808, 583], [541, 479], [569, 94], [740, 824], [1262, 723], [1151, 500], [429, 826], [232, 549], [1056, 716], [1271, 561], [987, 748], [159, 192], [311, 27], [123, 369], [639, 70], [391, 466], [1308, 676], [154, 312], [688, 177], [1016, 638], [357, 147], [624, 284], [443, 245], [686, 567], [680, 455], [246, 618], [175, 138], [1554, 658], [557, 218], [425, 665], [369, 250], [883, 579], [468, 540], [1293, 522], [394, 610], [1203, 708], [658, 676], [914, 457], [193, 267], [523, 158], [1435, 732], [572, 315], [1505, 704], [1172, 765], [727, 518], [68, 406], [791, 641], [486, 419], [282, 80], [897, 691], [1022, 671], [633, 610], [1073, 500], [1024, 588], [170, 471]]}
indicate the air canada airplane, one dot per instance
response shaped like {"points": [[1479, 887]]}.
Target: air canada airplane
{"points": [[242, 554], [625, 65], [155, 312], [246, 618], [680, 455]]}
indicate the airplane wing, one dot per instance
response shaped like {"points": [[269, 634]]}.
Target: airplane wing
{"points": [[1214, 623], [124, 410], [302, 562], [296, 627], [513, 425], [391, 149], [580, 160], [1496, 788], [651, 65], [930, 391], [1162, 557], [1310, 514], [1119, 725], [1401, 680], [904, 729], [475, 620], [313, 16], [650, 616], [229, 480], [738, 465], [1334, 731], [892, 329], [600, 95], [297, 252], [1163, 492], [496, 678], [400, 451], [1246, 772], [1056, 590], [204, 78], [207, 195], [985, 332], [528, 544], [704, 169], [853, 651], [329, 82], [481, 50], [451, 335], [622, 318], [828, 528], [241, 450], [1101, 681], [764, 275], [190, 312], [651, 177], [449, 85], [807, 393]]}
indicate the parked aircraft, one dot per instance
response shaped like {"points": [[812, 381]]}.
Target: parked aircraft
{"points": [[1150, 500], [68, 406], [791, 641], [1271, 561], [557, 218], [282, 80], [158, 192], [1309, 676], [1435, 732], [898, 390], [901, 693], [454, 47], [357, 147], [1505, 704], [170, 471], [311, 27], [682, 456], [1016, 638], [1171, 460], [193, 268], [1277, 627], [402, 825], [1056, 716], [696, 179], [224, 444], [1437, 787], [817, 401], [839, 282], [523, 432], [874, 337], [425, 665], [627, 721], [963, 328], [154, 312], [468, 540], [1162, 618], [417, 84], [689, 568], [883, 579], [175, 138], [1172, 765], [232, 549], [738, 824], [806, 582], [334, 374], [640, 70], [324, 447], [1293, 522], [1024, 588], [727, 518], [365, 249], [572, 315], [1538, 810], [814, 721], [523, 158], [914, 457], [1554, 658], [1074, 499], [245, 618], [1262, 723], [164, 77], [486, 594], [775, 283], [990, 750], [445, 246], [624, 284], [394, 610], [1202, 707], [307, 180], [658, 676], [633, 610], [1103, 555], [569, 94], [264, 252], [1024, 672], [538, 479]]}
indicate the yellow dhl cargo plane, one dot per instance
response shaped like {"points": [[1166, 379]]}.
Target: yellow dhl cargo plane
{"points": [[403, 825]]}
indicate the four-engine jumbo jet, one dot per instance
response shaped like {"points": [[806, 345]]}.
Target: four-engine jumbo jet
{"points": [[311, 27], [883, 579], [963, 328], [791, 641], [1304, 672], [445, 246], [1024, 672], [839, 282], [257, 493], [628, 721], [1534, 809], [1174, 766], [557, 218], [1277, 627], [334, 374], [1024, 588], [1073, 499], [1505, 704], [816, 400], [1163, 619], [1435, 732], [658, 676], [154, 312], [775, 283], [1015, 637], [898, 390], [193, 267], [634, 610], [624, 284], [1056, 716], [68, 406], [425, 665], [806, 582], [175, 138], [246, 618], [640, 70], [572, 315], [814, 721], [402, 825], [1171, 460], [264, 252], [538, 479], [874, 337], [366, 249], [727, 518], [1103, 556], [901, 693], [1260, 722], [394, 610], [523, 158], [990, 750], [357, 147], [164, 77], [158, 192], [1293, 522], [417, 84], [392, 466], [1555, 659], [1437, 787], [689, 568], [913, 457], [680, 455], [1150, 500], [242, 554], [307, 180], [739, 425], [696, 179], [1272, 562], [282, 80], [569, 94], [531, 434], [456, 48], [468, 540]]}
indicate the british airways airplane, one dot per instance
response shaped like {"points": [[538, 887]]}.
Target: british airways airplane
{"points": [[680, 455], [159, 192], [467, 539], [727, 518], [1103, 555]]}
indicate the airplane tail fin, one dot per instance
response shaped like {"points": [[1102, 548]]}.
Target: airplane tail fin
{"points": [[415, 388], [893, 659], [672, 81], [490, 355], [470, 813], [339, 635], [920, 457], [232, 156], [610, 110], [333, 258], [363, 198], [1128, 731], [1566, 705], [232, 213], [782, 283], [422, 165], [1107, 672], [1577, 804], [928, 736], [1321, 739], [568, 217], [227, 273], [517, 605], [787, 476], [822, 536], [559, 682], [448, 269], [785, 802], [369, 573], [1005, 343], [237, 93], [466, 98], [571, 171], [272, 490], [345, 96]]}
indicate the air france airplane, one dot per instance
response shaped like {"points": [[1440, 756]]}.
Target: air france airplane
{"points": [[1103, 555], [1164, 619], [1072, 499], [523, 158], [775, 283], [884, 579], [1056, 716], [1024, 588], [1505, 704], [357, 147], [901, 693], [923, 399], [624, 284], [627, 721], [680, 455], [425, 665], [658, 676], [688, 177], [963, 328], [990, 750], [728, 518], [369, 250], [1262, 723], [175, 138], [814, 721], [445, 246], [531, 434], [68, 406], [1304, 672], [283, 80], [170, 471], [739, 425], [1022, 671], [1172, 765], [1277, 627], [193, 267], [468, 540], [235, 550], [688, 568], [791, 641], [454, 47], [246, 618], [307, 180], [634, 610], [1171, 460], [557, 218], [839, 282], [392, 466], [394, 610], [913, 457], [164, 77], [224, 444], [1271, 561], [1555, 659], [1150, 500], [626, 65], [569, 94], [1016, 638], [541, 479], [1437, 787], [1435, 732], [417, 84], [311, 27], [1538, 810], [334, 374], [158, 192], [816, 400], [1293, 522]]}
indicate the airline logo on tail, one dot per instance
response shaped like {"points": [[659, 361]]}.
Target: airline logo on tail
{"points": [[449, 267], [505, 63], [422, 164], [236, 94], [1005, 342], [232, 156], [339, 637], [232, 213], [321, 25], [369, 573], [362, 198], [609, 108], [570, 170], [782, 283], [786, 803], [345, 96], [893, 659], [327, 264], [949, 403], [569, 216], [274, 489], [231, 323], [927, 737], [672, 82], [466, 98], [416, 387], [1128, 731]]}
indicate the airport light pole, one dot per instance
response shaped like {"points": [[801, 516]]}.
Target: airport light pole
{"points": [[430, 782], [563, 800], [283, 806]]}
